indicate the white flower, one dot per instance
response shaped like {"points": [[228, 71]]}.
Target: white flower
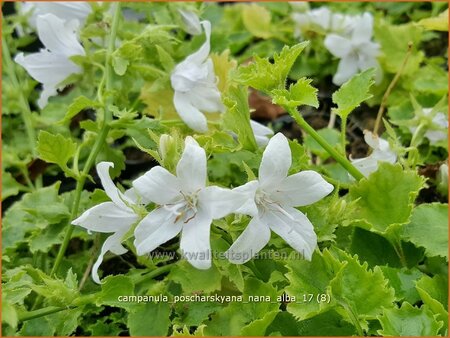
{"points": [[185, 205], [116, 216], [66, 10], [51, 65], [381, 153], [357, 52], [271, 202], [322, 20], [261, 132], [191, 22], [194, 83], [437, 126]]}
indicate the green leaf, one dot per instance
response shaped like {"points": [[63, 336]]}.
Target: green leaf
{"points": [[120, 64], [194, 280], [10, 187], [257, 20], [364, 303], [385, 199], [353, 92], [434, 293], [309, 278], [300, 93], [165, 58], [409, 321], [259, 326], [9, 314], [79, 104], [404, 282], [237, 116], [326, 324], [438, 23], [263, 75], [429, 228], [112, 288], [149, 319], [56, 149]]}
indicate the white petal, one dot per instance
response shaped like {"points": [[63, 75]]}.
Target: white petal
{"points": [[66, 10], [201, 55], [366, 165], [58, 36], [338, 45], [249, 190], [106, 217], [435, 136], [301, 189], [47, 92], [371, 139], [219, 202], [347, 67], [158, 185], [249, 243], [191, 169], [191, 22], [110, 189], [261, 133], [113, 244], [207, 99], [190, 115], [440, 120], [295, 228], [275, 163], [362, 31], [195, 243], [156, 228]]}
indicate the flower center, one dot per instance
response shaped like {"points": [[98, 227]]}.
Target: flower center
{"points": [[186, 208]]}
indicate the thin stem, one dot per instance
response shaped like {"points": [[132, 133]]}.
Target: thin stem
{"points": [[42, 312], [26, 111], [154, 273], [97, 146], [343, 134], [389, 89], [354, 319], [325, 145]]}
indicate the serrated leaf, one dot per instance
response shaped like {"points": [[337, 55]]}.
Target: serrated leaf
{"points": [[237, 116], [300, 93], [223, 65], [79, 104], [263, 75], [308, 278], [112, 288], [149, 319], [385, 199], [409, 321], [326, 324], [364, 303], [259, 326], [165, 58], [56, 149], [403, 281], [353, 92], [434, 293], [257, 20], [437, 23], [429, 228], [195, 280], [9, 314]]}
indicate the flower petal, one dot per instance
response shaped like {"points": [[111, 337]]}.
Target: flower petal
{"points": [[201, 55], [362, 31], [301, 189], [249, 190], [366, 165], [261, 133], [347, 67], [110, 189], [249, 243], [295, 228], [158, 185], [106, 217], [195, 242], [191, 22], [58, 36], [113, 244], [190, 115], [65, 10], [156, 228], [219, 202], [191, 169], [338, 45], [275, 162]]}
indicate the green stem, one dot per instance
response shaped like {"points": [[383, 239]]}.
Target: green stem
{"points": [[154, 273], [26, 111], [417, 133], [97, 146], [325, 145], [42, 312], [343, 134], [354, 319]]}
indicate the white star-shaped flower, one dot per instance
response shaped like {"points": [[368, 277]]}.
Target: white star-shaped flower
{"points": [[381, 152], [52, 64], [356, 51], [437, 127], [185, 204], [116, 216], [271, 202], [195, 86], [322, 20]]}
